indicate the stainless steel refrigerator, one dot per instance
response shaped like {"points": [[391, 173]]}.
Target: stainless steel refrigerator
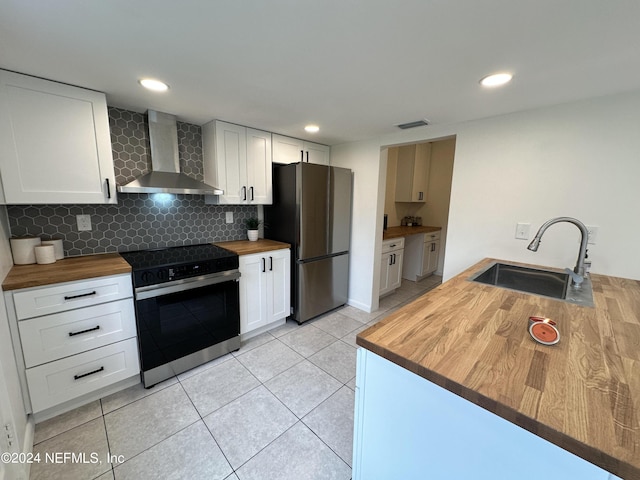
{"points": [[312, 211]]}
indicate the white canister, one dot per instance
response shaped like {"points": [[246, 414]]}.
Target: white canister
{"points": [[57, 247], [23, 251], [45, 254]]}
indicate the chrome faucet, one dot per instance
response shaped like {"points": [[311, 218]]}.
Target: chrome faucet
{"points": [[577, 276]]}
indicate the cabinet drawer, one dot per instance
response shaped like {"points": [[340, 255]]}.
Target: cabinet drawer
{"points": [[57, 382], [392, 244], [430, 237], [63, 334], [67, 296]]}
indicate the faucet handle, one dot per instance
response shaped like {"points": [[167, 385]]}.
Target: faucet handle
{"points": [[577, 279]]}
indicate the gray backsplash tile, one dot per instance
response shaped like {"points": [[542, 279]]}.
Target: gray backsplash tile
{"points": [[138, 221]]}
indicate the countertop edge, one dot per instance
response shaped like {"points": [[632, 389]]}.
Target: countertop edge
{"points": [[69, 269], [246, 247]]}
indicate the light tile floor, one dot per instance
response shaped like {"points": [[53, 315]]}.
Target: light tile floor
{"points": [[279, 408]]}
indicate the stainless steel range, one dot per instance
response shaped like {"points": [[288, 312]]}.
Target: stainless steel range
{"points": [[187, 307]]}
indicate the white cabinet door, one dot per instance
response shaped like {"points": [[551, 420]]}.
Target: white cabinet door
{"points": [[55, 145], [390, 271], [395, 270], [430, 258], [265, 289], [253, 292], [412, 173], [385, 264], [287, 149], [225, 164], [316, 153], [293, 150], [259, 167], [237, 159], [279, 289]]}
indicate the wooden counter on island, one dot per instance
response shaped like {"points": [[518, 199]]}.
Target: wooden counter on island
{"points": [[582, 395]]}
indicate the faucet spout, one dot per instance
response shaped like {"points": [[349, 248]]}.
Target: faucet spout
{"points": [[582, 253]]}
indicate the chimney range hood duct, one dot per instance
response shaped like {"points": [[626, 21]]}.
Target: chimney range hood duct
{"points": [[165, 176]]}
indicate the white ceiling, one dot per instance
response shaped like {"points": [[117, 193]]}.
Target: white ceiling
{"points": [[354, 67]]}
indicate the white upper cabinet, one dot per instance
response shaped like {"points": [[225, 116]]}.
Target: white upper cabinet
{"points": [[412, 178], [237, 159], [55, 145], [292, 150]]}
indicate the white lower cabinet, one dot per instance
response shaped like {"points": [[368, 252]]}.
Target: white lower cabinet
{"points": [[391, 265], [56, 382], [75, 338], [265, 289], [407, 427], [421, 255]]}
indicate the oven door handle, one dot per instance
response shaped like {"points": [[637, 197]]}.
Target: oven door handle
{"points": [[142, 293]]}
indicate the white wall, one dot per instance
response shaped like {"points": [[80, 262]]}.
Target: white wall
{"points": [[364, 159], [579, 159]]}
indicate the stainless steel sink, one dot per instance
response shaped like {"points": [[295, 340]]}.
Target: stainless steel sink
{"points": [[535, 281]]}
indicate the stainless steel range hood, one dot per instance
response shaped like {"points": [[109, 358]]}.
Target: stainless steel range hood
{"points": [[165, 176]]}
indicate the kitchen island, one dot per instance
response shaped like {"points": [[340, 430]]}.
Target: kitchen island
{"points": [[452, 385]]}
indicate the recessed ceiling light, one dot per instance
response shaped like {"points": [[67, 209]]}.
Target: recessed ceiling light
{"points": [[312, 128], [155, 85], [496, 79]]}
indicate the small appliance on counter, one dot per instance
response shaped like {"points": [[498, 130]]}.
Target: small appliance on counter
{"points": [[409, 221]]}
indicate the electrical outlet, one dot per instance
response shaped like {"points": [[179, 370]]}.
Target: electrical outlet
{"points": [[522, 231], [84, 222], [593, 234], [228, 217]]}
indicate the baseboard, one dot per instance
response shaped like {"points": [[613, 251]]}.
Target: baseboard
{"points": [[359, 305]]}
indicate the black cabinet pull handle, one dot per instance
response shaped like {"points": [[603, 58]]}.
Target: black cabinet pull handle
{"points": [[108, 189], [302, 155], [244, 193], [78, 377], [72, 334], [264, 265], [71, 297], [270, 263], [391, 259], [307, 156], [251, 193]]}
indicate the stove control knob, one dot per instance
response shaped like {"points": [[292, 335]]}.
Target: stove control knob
{"points": [[146, 277]]}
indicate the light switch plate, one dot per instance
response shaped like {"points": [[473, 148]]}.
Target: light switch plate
{"points": [[522, 231], [84, 222], [228, 217]]}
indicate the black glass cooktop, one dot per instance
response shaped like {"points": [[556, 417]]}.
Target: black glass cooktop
{"points": [[167, 264]]}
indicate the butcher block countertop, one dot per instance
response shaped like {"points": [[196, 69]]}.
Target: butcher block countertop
{"points": [[245, 247], [397, 232], [65, 270], [582, 394]]}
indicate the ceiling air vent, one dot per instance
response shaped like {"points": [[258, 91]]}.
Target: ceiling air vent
{"points": [[418, 123]]}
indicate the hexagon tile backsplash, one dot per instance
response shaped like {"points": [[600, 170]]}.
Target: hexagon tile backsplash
{"points": [[138, 221]]}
